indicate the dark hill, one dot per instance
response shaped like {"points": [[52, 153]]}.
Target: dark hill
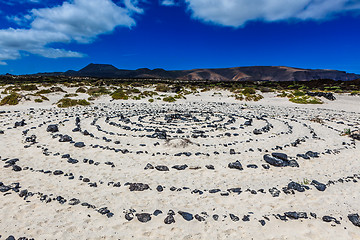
{"points": [[256, 73]]}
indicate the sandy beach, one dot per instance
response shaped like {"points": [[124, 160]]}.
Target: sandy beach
{"points": [[204, 167]]}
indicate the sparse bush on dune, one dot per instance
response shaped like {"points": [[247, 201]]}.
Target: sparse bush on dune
{"points": [[57, 89], [247, 94], [136, 97], [162, 88], [70, 95], [133, 90], [12, 99], [266, 89], [119, 95], [44, 98], [97, 91], [298, 93], [67, 102], [239, 97], [305, 100], [149, 93], [253, 97], [38, 100], [179, 96], [43, 91], [169, 99], [248, 91], [283, 94], [30, 87], [81, 90]]}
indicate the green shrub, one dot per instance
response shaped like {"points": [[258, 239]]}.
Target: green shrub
{"points": [[43, 91], [283, 94], [70, 95], [38, 100], [136, 97], [253, 97], [30, 87], [81, 90], [67, 102], [12, 99], [44, 98], [179, 96], [239, 97], [151, 100], [162, 88], [169, 99], [98, 91], [120, 95], [149, 93], [134, 90], [305, 100], [298, 93], [248, 91], [57, 89], [347, 131]]}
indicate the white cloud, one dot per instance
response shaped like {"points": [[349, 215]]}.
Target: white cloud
{"points": [[168, 2], [79, 20], [236, 13]]}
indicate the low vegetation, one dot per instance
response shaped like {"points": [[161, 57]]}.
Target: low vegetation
{"points": [[305, 100], [12, 99], [169, 99], [67, 102], [98, 91], [81, 90], [162, 88], [30, 87], [70, 95], [120, 95]]}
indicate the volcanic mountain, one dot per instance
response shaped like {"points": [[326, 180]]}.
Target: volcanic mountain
{"points": [[255, 73]]}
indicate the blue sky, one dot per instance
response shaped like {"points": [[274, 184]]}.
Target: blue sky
{"points": [[55, 35]]}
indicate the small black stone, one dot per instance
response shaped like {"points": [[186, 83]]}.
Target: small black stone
{"points": [[162, 168], [235, 165], [58, 172], [143, 217], [210, 167], [354, 218], [157, 212], [79, 144], [129, 216], [16, 168], [187, 216], [199, 218], [234, 218], [159, 188], [169, 219]]}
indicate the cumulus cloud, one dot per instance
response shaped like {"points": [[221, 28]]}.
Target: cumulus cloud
{"points": [[236, 13], [76, 21]]}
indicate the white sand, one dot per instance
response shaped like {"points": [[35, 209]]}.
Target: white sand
{"points": [[36, 219]]}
